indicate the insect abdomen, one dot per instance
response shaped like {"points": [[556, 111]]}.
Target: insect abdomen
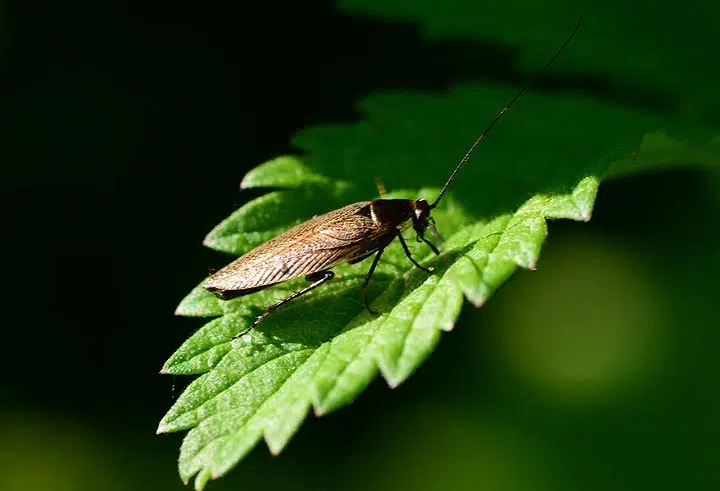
{"points": [[311, 246], [266, 266]]}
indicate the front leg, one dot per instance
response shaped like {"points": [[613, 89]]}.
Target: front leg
{"points": [[409, 255], [365, 282]]}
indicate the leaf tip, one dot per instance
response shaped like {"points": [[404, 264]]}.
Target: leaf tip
{"points": [[479, 302], [393, 382], [448, 326], [274, 448], [165, 369], [319, 410], [162, 428]]}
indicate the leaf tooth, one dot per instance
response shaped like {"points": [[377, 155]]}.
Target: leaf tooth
{"points": [[442, 304], [224, 437], [468, 274], [421, 342], [391, 335], [162, 428], [523, 239], [201, 398], [287, 417], [201, 479], [348, 367], [358, 367], [199, 303], [207, 346], [277, 433], [285, 171], [349, 384], [584, 196], [276, 419]]}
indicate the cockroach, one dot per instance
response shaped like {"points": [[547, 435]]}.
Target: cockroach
{"points": [[347, 235]]}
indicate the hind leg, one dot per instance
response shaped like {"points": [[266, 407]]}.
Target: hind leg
{"points": [[317, 278]]}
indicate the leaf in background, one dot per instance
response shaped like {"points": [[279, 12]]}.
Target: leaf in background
{"points": [[659, 151], [650, 54]]}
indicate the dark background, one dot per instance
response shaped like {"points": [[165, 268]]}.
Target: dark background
{"points": [[126, 128]]}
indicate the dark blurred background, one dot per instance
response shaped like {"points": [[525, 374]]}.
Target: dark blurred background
{"points": [[126, 128]]}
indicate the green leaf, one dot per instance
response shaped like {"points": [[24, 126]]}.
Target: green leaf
{"points": [[282, 172], [544, 161], [323, 349], [659, 151], [645, 53], [200, 303]]}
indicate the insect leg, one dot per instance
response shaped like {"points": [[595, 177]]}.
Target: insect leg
{"points": [[431, 224], [317, 278], [367, 280], [431, 245], [407, 253]]}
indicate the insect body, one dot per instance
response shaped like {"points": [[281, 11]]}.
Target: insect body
{"points": [[347, 235]]}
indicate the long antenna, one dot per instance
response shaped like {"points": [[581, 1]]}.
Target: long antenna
{"points": [[500, 114]]}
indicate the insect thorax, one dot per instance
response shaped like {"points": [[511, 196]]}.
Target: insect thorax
{"points": [[389, 213]]}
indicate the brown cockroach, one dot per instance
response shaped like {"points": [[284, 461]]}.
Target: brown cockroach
{"points": [[346, 235]]}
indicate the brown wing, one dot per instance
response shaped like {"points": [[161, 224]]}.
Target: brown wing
{"points": [[314, 245]]}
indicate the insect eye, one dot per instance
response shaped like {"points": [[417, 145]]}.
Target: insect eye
{"points": [[422, 212]]}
